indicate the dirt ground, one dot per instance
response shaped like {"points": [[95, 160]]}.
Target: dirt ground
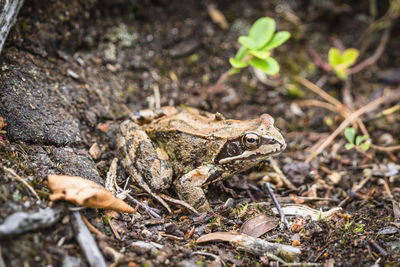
{"points": [[70, 71]]}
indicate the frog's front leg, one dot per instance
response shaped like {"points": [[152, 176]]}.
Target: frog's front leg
{"points": [[189, 186]]}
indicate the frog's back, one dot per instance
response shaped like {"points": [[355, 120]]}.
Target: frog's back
{"points": [[187, 139], [202, 124]]}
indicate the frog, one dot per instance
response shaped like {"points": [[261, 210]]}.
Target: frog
{"points": [[187, 149]]}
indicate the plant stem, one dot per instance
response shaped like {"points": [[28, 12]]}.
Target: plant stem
{"points": [[378, 52], [218, 86]]}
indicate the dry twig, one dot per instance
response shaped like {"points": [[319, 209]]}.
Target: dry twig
{"points": [[14, 175], [93, 229], [317, 103], [87, 242], [377, 54], [350, 119], [341, 109]]}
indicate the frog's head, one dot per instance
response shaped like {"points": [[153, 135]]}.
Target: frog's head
{"points": [[258, 141]]}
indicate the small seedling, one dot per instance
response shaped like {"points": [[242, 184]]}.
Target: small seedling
{"points": [[357, 142], [255, 50], [257, 45], [213, 222], [340, 62]]}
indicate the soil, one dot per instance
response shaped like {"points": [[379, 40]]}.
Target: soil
{"points": [[70, 71]]}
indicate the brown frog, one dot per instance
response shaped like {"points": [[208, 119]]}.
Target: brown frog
{"points": [[188, 149]]}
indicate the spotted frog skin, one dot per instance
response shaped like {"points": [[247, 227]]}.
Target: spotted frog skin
{"points": [[188, 149]]}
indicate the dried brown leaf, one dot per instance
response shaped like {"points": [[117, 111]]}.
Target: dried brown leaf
{"points": [[258, 225], [85, 193]]}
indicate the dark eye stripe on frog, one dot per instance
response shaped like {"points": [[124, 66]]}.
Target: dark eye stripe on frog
{"points": [[237, 146]]}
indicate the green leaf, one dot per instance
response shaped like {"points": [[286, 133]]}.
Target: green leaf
{"points": [[350, 56], [261, 31], [241, 53], [341, 71], [334, 56], [350, 133], [237, 64], [278, 39], [349, 146], [319, 214], [260, 54], [268, 65], [247, 42], [365, 146], [360, 139]]}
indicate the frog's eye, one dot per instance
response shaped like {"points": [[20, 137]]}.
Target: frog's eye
{"points": [[251, 140]]}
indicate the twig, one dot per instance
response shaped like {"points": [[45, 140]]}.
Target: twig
{"points": [[20, 179], [157, 96], [385, 149], [317, 59], [390, 15], [350, 119], [341, 109], [179, 202], [260, 247], [87, 242], [387, 188], [115, 232], [149, 210], [320, 92], [377, 54], [217, 87], [278, 206], [275, 166], [317, 103], [346, 94], [92, 228], [2, 264]]}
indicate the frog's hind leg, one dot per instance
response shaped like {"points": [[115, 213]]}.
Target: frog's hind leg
{"points": [[147, 164], [139, 179]]}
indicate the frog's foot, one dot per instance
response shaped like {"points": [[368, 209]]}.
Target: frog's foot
{"points": [[189, 187], [179, 202], [139, 179], [147, 115]]}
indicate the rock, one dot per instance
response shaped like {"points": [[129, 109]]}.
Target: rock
{"points": [[76, 162], [31, 113], [22, 222], [184, 48]]}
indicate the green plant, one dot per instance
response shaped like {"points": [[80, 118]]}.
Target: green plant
{"points": [[340, 62], [358, 142], [213, 222], [257, 45], [255, 51]]}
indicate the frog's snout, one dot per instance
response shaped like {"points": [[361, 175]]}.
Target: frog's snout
{"points": [[282, 146]]}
